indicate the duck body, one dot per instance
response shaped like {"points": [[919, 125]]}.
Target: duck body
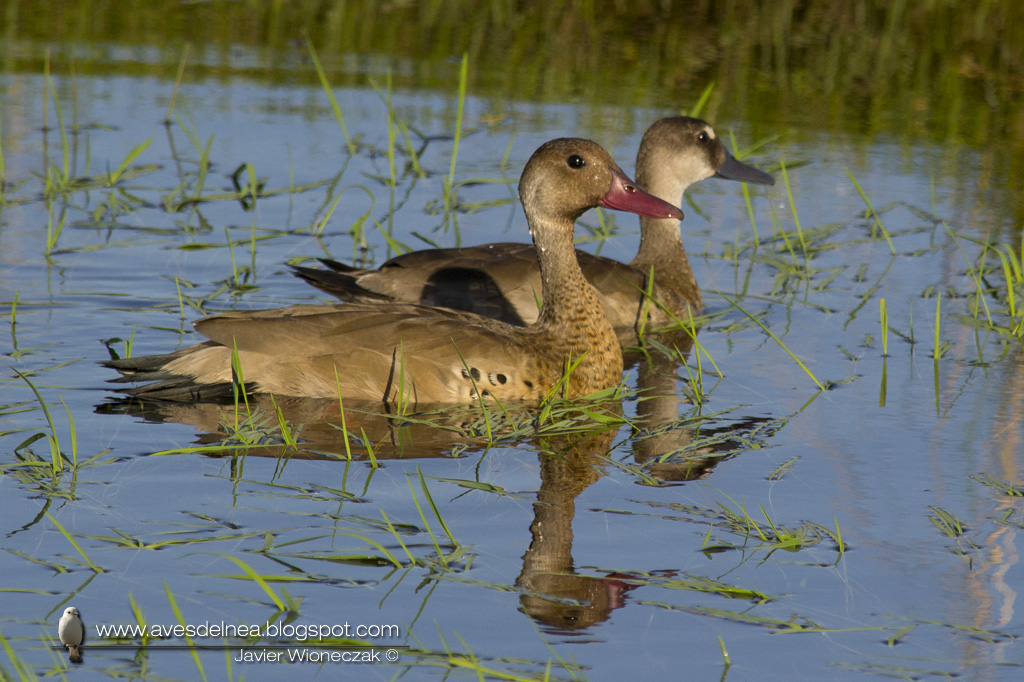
{"points": [[506, 288], [502, 280], [414, 353], [401, 354]]}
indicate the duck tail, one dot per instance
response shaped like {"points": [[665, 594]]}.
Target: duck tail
{"points": [[338, 280], [163, 384]]}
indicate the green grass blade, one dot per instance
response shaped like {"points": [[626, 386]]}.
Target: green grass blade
{"points": [[258, 579], [777, 340], [702, 100], [181, 621], [871, 209], [325, 84], [74, 544], [433, 506]]}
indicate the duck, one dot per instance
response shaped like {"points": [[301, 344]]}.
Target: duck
{"points": [[409, 353], [503, 280]]}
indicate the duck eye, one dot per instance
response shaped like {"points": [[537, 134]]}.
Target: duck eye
{"points": [[576, 161]]}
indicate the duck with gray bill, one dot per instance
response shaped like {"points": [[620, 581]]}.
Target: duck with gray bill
{"points": [[503, 280]]}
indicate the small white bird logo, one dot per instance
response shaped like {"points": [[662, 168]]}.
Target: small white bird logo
{"points": [[72, 632]]}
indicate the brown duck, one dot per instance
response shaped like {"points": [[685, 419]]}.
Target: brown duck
{"points": [[503, 280], [412, 353]]}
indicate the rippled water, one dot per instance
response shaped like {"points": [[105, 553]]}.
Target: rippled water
{"points": [[622, 577]]}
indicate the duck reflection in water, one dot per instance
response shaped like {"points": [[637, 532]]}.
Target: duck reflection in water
{"points": [[554, 594]]}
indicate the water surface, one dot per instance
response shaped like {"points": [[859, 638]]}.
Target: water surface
{"points": [[590, 555]]}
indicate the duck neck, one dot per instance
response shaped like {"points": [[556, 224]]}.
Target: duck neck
{"points": [[572, 310], [661, 245], [566, 293]]}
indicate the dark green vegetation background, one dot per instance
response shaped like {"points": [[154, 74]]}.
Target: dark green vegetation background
{"points": [[951, 72]]}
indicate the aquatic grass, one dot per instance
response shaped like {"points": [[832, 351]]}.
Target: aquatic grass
{"points": [[746, 194], [257, 429], [14, 318], [72, 433], [866, 295], [356, 229], [702, 100], [481, 486], [140, 620], [1012, 268], [326, 86], [250, 190], [25, 671], [52, 565], [974, 632], [736, 520], [695, 385], [883, 386], [975, 273], [53, 232], [776, 339], [946, 522], [397, 123], [950, 526], [3, 167], [389, 558], [236, 281], [284, 602], [56, 456], [689, 326], [177, 84], [238, 389], [129, 343], [285, 430], [792, 206], [780, 471], [940, 348], [458, 664], [56, 181], [193, 651], [449, 183], [689, 582], [1005, 487], [1013, 272], [458, 549], [725, 656], [398, 538], [558, 389], [341, 412], [124, 540], [114, 177], [877, 225], [478, 394], [793, 624], [884, 321], [647, 293], [369, 449], [204, 164], [78, 548]]}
